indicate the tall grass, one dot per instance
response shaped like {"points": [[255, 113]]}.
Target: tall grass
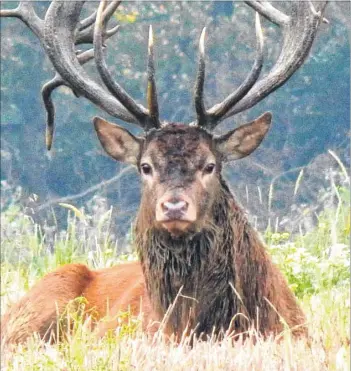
{"points": [[316, 264]]}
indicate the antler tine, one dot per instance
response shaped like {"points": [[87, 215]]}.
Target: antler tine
{"points": [[299, 31], [151, 83], [200, 82], [138, 111], [86, 27], [210, 118], [26, 13], [215, 114], [88, 21], [107, 14], [46, 92], [268, 11], [110, 9]]}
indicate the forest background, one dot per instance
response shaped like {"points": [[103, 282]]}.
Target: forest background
{"points": [[311, 113]]}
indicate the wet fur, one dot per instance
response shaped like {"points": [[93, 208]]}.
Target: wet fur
{"points": [[220, 268], [220, 272]]}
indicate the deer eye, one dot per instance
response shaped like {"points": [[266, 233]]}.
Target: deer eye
{"points": [[209, 168], [146, 169]]}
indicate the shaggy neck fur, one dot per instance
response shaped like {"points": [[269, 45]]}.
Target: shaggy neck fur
{"points": [[199, 267]]}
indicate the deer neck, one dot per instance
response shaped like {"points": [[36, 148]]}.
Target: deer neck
{"points": [[193, 276]]}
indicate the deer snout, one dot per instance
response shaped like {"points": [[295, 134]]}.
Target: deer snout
{"points": [[174, 208], [175, 213]]}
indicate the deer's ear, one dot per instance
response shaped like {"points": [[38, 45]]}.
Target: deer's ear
{"points": [[118, 142], [242, 141]]}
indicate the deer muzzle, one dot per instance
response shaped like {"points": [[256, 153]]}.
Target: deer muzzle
{"points": [[175, 213], [174, 209]]}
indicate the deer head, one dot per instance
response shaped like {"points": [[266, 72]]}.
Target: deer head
{"points": [[180, 165]]}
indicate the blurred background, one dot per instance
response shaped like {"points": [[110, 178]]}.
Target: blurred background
{"points": [[284, 184]]}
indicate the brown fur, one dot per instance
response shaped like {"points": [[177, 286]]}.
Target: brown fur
{"points": [[107, 291], [226, 270], [216, 269]]}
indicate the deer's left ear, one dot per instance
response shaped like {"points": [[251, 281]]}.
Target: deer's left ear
{"points": [[118, 142], [243, 140]]}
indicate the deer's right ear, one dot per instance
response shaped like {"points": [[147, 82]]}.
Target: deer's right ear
{"points": [[243, 140], [118, 142]]}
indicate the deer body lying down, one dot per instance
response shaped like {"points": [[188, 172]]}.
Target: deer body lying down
{"points": [[191, 236], [195, 245], [39, 310]]}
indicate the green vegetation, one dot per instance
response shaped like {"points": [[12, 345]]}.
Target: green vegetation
{"points": [[317, 117], [310, 242], [315, 263], [318, 260]]}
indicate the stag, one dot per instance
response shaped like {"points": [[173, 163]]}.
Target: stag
{"points": [[198, 253]]}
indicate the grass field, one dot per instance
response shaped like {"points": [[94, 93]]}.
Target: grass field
{"points": [[315, 263]]}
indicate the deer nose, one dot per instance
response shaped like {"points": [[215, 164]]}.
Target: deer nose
{"points": [[174, 208]]}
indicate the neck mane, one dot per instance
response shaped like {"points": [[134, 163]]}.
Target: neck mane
{"points": [[196, 271]]}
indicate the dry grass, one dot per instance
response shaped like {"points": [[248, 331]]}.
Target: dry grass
{"points": [[85, 352], [129, 349], [316, 266]]}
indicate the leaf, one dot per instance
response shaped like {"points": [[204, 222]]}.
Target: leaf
{"points": [[76, 211], [127, 18], [298, 181]]}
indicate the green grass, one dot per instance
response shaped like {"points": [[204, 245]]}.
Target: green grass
{"points": [[315, 263]]}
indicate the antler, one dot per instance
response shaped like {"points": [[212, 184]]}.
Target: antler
{"points": [[59, 33], [299, 31]]}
